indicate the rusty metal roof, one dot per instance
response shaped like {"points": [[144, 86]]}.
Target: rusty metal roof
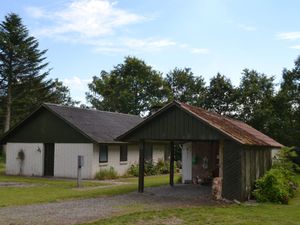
{"points": [[237, 130]]}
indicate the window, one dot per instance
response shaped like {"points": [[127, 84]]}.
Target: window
{"points": [[148, 152], [123, 153], [103, 154]]}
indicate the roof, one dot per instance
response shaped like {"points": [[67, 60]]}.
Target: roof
{"points": [[234, 129], [98, 126]]}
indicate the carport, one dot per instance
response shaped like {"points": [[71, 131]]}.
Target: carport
{"points": [[213, 146]]}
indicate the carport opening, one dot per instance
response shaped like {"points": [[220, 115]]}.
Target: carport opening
{"points": [[198, 162]]}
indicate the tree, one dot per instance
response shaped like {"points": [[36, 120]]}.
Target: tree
{"points": [[186, 87], [60, 94], [255, 98], [23, 74], [131, 87], [20, 60], [286, 104], [221, 96]]}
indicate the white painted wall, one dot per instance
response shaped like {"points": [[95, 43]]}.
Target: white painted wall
{"points": [[65, 160], [132, 157], [33, 164], [158, 152], [187, 162]]}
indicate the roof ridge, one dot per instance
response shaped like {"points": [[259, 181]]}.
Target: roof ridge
{"points": [[88, 109], [213, 113]]}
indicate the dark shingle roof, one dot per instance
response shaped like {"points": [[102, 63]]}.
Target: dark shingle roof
{"points": [[100, 126]]}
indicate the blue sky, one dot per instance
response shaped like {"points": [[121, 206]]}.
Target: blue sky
{"points": [[84, 37]]}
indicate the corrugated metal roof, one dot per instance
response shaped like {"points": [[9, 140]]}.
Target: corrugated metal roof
{"points": [[240, 131]]}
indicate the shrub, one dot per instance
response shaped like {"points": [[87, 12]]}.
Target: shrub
{"points": [[151, 168], [106, 174], [163, 166], [273, 187], [133, 170], [278, 185]]}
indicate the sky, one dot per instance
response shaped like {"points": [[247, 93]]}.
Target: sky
{"points": [[84, 37]]}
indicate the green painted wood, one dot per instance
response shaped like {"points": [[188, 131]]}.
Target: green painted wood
{"points": [[257, 160], [141, 166], [175, 124], [45, 127], [172, 151], [232, 171]]}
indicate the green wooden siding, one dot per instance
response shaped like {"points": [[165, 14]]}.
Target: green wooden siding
{"points": [[255, 162], [45, 127], [232, 174], [175, 124]]}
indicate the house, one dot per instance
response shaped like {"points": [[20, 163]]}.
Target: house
{"points": [[212, 146], [53, 136]]}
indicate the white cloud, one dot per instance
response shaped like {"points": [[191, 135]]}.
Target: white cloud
{"points": [[86, 18], [289, 35], [77, 83], [35, 12], [78, 87], [99, 23], [148, 44], [295, 47]]}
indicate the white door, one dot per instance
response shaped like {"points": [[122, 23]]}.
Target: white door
{"points": [[187, 162]]}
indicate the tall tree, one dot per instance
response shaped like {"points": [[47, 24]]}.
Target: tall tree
{"points": [[131, 87], [221, 96], [23, 73], [20, 60], [256, 93], [186, 87], [286, 104]]}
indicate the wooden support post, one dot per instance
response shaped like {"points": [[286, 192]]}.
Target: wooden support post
{"points": [[172, 163], [141, 166], [221, 157]]}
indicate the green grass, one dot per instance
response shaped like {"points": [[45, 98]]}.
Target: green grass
{"points": [[2, 166], [50, 190], [261, 214]]}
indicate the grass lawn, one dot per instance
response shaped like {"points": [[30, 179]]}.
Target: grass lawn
{"points": [[50, 190], [222, 215]]}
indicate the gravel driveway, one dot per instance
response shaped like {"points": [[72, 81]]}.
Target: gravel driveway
{"points": [[80, 211]]}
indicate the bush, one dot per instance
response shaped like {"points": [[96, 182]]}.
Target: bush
{"points": [[133, 170], [161, 167], [278, 185], [273, 187], [151, 168], [106, 174]]}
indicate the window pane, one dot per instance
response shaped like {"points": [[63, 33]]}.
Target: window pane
{"points": [[148, 152], [123, 153], [103, 153]]}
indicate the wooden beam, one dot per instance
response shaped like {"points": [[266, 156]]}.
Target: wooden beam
{"points": [[172, 151], [221, 157], [141, 166]]}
